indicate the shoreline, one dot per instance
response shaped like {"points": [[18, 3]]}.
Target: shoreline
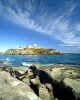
{"points": [[44, 65]]}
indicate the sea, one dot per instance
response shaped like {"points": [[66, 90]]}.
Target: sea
{"points": [[20, 60]]}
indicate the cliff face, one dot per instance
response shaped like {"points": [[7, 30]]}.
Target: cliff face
{"points": [[33, 51]]}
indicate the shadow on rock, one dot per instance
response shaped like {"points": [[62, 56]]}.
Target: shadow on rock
{"points": [[44, 85], [59, 90], [62, 92]]}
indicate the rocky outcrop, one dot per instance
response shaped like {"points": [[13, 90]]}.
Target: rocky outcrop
{"points": [[14, 89], [55, 82], [42, 88], [21, 84], [66, 81], [33, 51]]}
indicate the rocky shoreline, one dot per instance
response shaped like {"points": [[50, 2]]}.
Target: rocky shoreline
{"points": [[54, 82]]}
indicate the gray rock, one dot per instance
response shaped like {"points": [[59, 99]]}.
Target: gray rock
{"points": [[13, 89], [44, 93], [69, 76]]}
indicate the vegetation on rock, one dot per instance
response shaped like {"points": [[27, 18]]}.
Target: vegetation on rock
{"points": [[33, 51]]}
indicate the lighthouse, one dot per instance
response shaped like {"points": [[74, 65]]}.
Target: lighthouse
{"points": [[35, 45]]}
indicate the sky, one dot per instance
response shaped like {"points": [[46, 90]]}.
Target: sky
{"points": [[50, 23]]}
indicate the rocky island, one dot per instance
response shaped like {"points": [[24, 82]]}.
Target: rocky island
{"points": [[36, 82], [32, 50]]}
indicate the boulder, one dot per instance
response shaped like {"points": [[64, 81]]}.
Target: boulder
{"points": [[13, 89], [44, 93], [67, 79]]}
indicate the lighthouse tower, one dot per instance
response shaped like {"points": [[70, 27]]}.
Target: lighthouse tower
{"points": [[35, 45]]}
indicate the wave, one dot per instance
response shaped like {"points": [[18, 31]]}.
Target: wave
{"points": [[26, 64]]}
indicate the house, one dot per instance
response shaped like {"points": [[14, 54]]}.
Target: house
{"points": [[29, 46]]}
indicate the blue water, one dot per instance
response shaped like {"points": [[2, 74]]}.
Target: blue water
{"points": [[13, 60]]}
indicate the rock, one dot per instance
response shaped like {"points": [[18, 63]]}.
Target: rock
{"points": [[30, 73], [50, 90], [13, 89], [35, 81], [37, 66], [74, 84], [66, 78], [57, 74], [49, 87], [34, 69], [58, 82], [56, 98], [44, 93]]}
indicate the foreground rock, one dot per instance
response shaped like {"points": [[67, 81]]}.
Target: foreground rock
{"points": [[55, 82], [13, 89], [66, 81], [33, 78]]}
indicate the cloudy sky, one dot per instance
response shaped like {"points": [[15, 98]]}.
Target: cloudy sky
{"points": [[50, 23]]}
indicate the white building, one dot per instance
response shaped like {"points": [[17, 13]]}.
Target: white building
{"points": [[29, 46]]}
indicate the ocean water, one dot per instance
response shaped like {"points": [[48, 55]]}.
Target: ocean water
{"points": [[19, 60]]}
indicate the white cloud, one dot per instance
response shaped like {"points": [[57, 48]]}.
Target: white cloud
{"points": [[55, 27], [77, 27]]}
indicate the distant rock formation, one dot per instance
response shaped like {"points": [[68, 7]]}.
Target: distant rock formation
{"points": [[33, 51]]}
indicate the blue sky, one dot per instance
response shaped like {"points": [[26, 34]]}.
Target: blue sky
{"points": [[50, 23]]}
